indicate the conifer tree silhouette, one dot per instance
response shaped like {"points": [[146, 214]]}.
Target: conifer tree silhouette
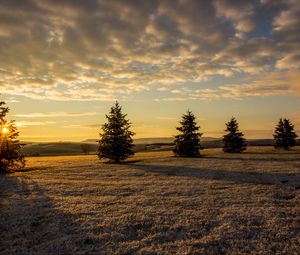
{"points": [[116, 141], [284, 135], [187, 143], [11, 157], [234, 140]]}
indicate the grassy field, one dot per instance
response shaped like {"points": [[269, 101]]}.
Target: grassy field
{"points": [[154, 204]]}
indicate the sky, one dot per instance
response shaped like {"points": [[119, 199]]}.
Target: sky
{"points": [[63, 64]]}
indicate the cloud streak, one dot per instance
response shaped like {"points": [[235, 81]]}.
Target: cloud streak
{"points": [[55, 114], [33, 123]]}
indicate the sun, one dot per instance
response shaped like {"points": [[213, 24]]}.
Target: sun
{"points": [[4, 130]]}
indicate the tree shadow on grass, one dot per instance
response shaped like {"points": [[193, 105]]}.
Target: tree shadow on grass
{"points": [[241, 177], [274, 152], [252, 157], [124, 162], [30, 223], [35, 168]]}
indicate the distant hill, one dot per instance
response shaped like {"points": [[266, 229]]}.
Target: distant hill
{"points": [[152, 140], [90, 141], [141, 144], [55, 148]]}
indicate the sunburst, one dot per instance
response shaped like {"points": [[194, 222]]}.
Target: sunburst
{"points": [[5, 130]]}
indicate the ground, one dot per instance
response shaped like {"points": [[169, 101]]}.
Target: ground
{"points": [[154, 204]]}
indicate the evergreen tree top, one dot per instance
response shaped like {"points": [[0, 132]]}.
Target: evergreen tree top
{"points": [[188, 123], [289, 127], [115, 111], [284, 124], [284, 130], [116, 119], [3, 110], [232, 125]]}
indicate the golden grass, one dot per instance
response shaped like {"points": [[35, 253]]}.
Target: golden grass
{"points": [[154, 204]]}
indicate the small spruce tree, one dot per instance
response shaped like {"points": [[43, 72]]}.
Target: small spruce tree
{"points": [[284, 135], [11, 157], [234, 141], [116, 141], [187, 143]]}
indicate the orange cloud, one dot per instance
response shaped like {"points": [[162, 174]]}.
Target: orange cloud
{"points": [[293, 78]]}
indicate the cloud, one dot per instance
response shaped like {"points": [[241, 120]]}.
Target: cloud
{"points": [[12, 100], [33, 123], [55, 114], [270, 84], [295, 118], [89, 126], [106, 50], [290, 61], [252, 89], [293, 78], [171, 99], [239, 13], [166, 118]]}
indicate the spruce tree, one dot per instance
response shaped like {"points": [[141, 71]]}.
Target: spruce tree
{"points": [[11, 157], [187, 143], [234, 141], [284, 135], [116, 141]]}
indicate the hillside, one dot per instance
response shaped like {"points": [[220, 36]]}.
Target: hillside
{"points": [[142, 144]]}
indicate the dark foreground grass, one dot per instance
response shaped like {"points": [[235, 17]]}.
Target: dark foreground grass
{"points": [[156, 204]]}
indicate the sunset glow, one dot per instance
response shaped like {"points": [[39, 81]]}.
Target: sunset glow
{"points": [[64, 64], [4, 130]]}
